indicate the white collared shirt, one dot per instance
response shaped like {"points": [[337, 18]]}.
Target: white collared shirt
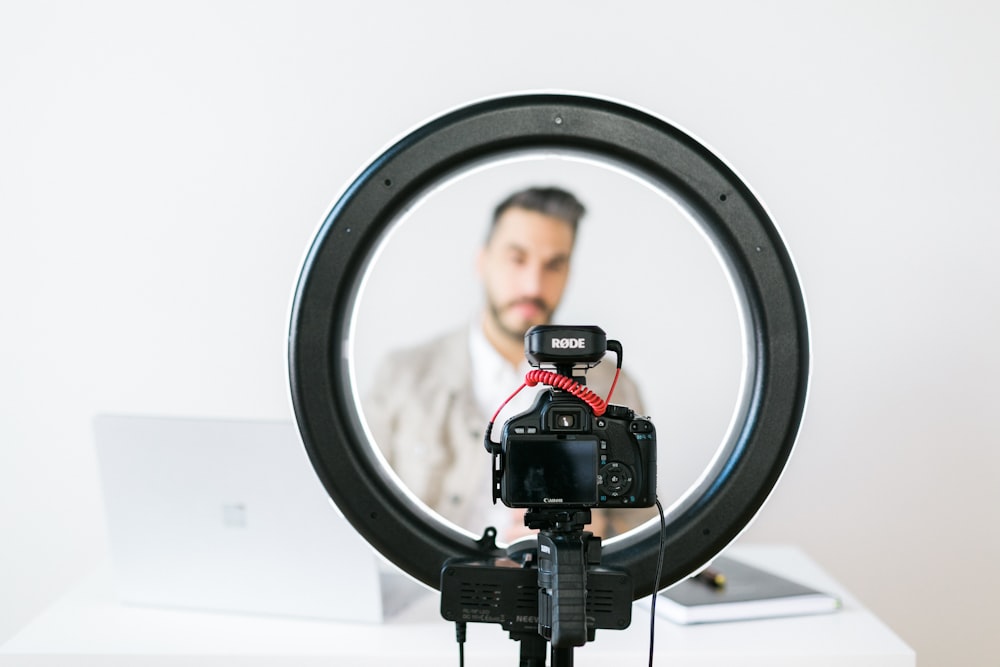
{"points": [[494, 379]]}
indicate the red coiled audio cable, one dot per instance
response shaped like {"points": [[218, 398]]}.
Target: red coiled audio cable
{"points": [[538, 376], [597, 404]]}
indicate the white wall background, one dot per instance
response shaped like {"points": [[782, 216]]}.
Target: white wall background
{"points": [[162, 171]]}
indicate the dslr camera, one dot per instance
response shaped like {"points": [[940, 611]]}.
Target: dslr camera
{"points": [[572, 450]]}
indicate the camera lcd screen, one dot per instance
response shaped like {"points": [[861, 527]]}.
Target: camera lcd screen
{"points": [[546, 472]]}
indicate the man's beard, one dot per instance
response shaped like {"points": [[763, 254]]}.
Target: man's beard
{"points": [[517, 334]]}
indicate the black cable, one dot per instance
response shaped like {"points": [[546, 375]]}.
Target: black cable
{"points": [[616, 347], [460, 638], [656, 581]]}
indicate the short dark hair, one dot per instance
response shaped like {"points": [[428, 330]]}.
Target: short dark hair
{"points": [[551, 201]]}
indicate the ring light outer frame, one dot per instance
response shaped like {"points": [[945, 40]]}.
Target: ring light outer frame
{"points": [[774, 314]]}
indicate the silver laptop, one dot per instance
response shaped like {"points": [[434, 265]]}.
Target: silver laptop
{"points": [[228, 515]]}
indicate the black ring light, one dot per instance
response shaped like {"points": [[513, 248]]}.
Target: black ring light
{"points": [[774, 313]]}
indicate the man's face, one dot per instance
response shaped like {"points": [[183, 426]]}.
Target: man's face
{"points": [[524, 268]]}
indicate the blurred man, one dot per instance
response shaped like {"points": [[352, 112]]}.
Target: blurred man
{"points": [[431, 403]]}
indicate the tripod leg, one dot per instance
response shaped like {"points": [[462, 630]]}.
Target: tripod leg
{"points": [[532, 651], [562, 657]]}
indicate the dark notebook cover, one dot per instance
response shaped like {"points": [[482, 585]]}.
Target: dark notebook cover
{"points": [[748, 593]]}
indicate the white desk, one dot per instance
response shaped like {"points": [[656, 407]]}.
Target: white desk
{"points": [[88, 627]]}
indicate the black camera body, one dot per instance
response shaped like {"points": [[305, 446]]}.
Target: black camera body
{"points": [[560, 454]]}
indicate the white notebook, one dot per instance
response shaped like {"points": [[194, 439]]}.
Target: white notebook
{"points": [[742, 592]]}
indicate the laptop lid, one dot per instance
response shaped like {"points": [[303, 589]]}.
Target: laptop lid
{"points": [[228, 515]]}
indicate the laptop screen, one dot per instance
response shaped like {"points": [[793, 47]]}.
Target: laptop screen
{"points": [[228, 515]]}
